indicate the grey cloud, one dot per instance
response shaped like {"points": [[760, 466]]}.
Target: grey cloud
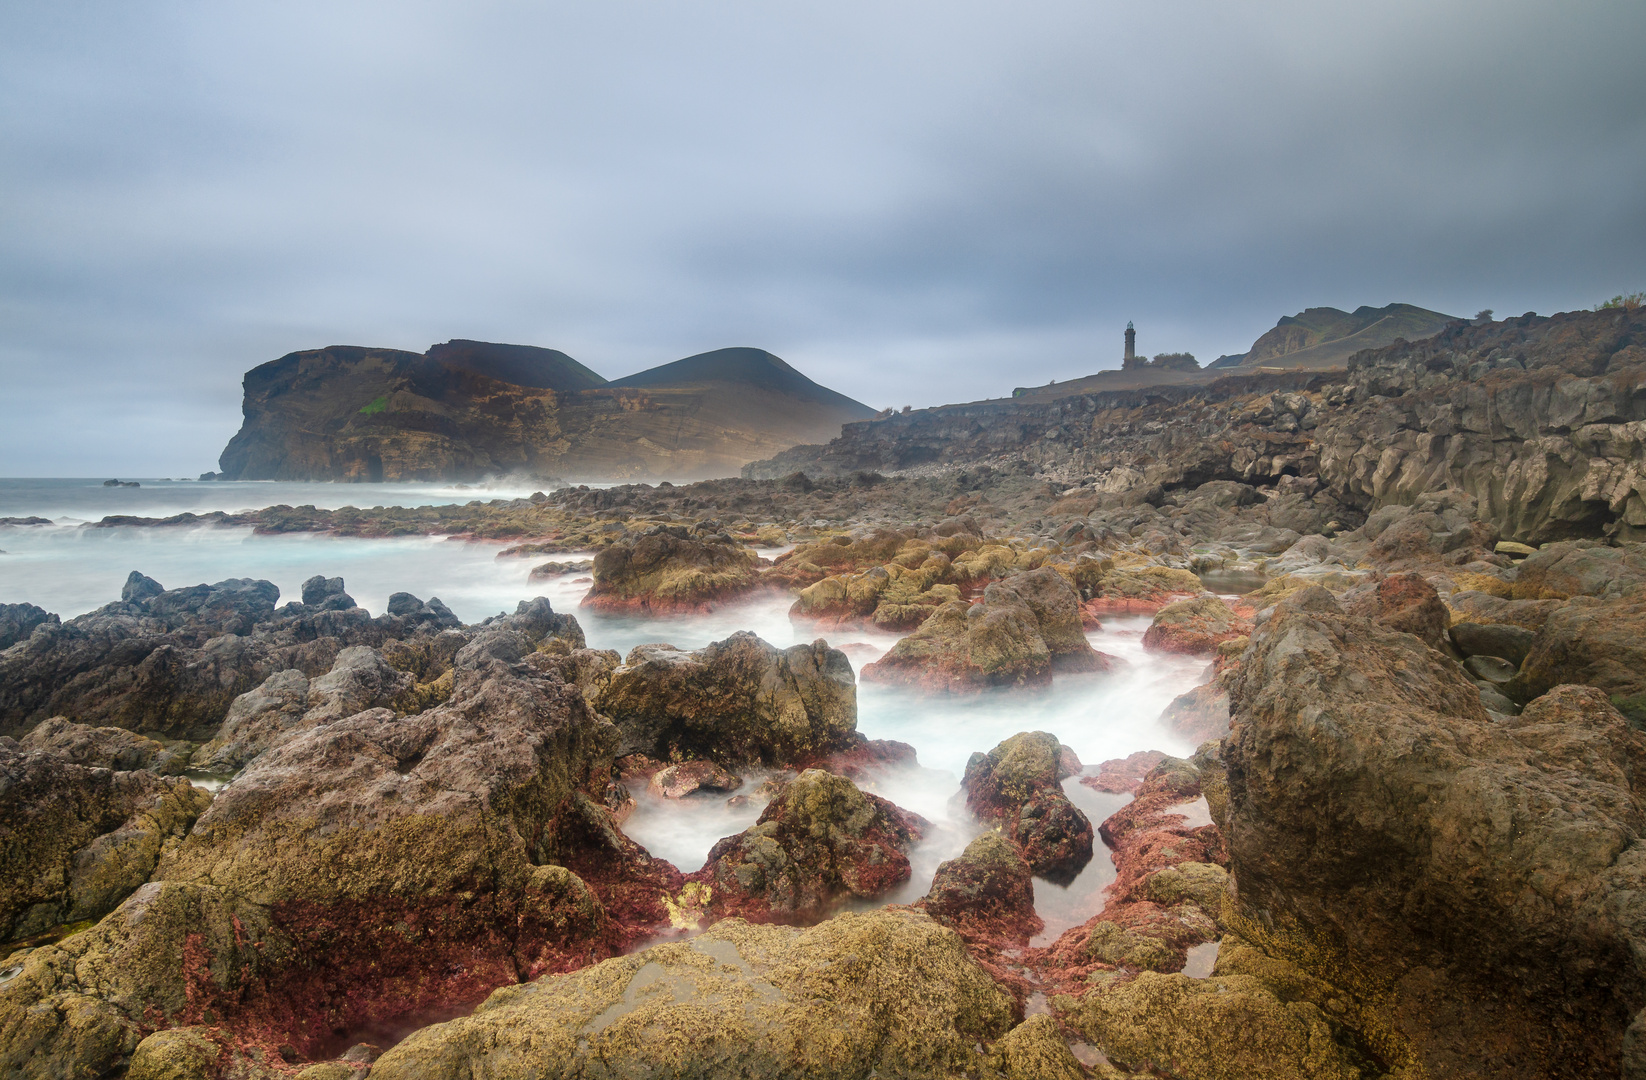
{"points": [[914, 203]]}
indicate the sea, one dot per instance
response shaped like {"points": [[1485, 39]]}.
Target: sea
{"points": [[70, 568]]}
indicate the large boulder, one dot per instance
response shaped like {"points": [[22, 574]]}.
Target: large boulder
{"points": [[1600, 643], [883, 993], [818, 843], [1477, 885], [735, 701], [17, 621], [1017, 786], [359, 871], [76, 839], [1408, 603], [1584, 568], [1196, 626], [1026, 627], [668, 569], [987, 892]]}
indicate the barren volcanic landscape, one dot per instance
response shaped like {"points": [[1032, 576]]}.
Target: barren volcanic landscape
{"points": [[1307, 705]]}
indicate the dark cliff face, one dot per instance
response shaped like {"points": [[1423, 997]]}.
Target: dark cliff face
{"points": [[1541, 420], [466, 410]]}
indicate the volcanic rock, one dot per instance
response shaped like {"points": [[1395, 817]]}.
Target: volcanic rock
{"points": [[678, 781], [1484, 870], [106, 747], [1195, 626], [1017, 786], [667, 569], [888, 993], [735, 701], [987, 892], [818, 843], [1597, 642], [17, 621]]}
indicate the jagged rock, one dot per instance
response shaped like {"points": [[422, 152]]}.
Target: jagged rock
{"points": [[1487, 872], [734, 701], [322, 591], [819, 842], [1409, 604], [1017, 786], [880, 993], [1196, 626], [667, 569], [360, 679], [106, 747], [1562, 571], [17, 621], [678, 781], [1026, 627], [359, 871], [78, 838], [987, 892], [1592, 641]]}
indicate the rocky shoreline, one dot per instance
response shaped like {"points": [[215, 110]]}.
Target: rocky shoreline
{"points": [[1408, 844]]}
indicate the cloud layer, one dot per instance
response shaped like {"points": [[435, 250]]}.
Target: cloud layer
{"points": [[913, 203]]}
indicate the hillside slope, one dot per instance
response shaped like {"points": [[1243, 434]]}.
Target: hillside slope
{"points": [[1325, 337], [468, 409]]}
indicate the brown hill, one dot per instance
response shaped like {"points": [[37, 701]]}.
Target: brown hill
{"points": [[468, 409], [1322, 338]]}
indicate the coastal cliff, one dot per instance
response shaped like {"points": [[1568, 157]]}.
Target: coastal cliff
{"points": [[465, 410]]}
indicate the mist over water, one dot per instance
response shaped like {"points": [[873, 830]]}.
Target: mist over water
{"points": [[70, 569]]}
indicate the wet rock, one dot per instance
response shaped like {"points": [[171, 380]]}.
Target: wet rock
{"points": [[80, 838], [1026, 627], [678, 781], [362, 870], [1200, 714], [667, 569], [1205, 1029], [322, 591], [17, 621], [1510, 642], [106, 747], [887, 993], [1596, 642], [1017, 787], [987, 892], [1484, 869], [1407, 603], [550, 570], [735, 701], [1492, 669], [1122, 775], [819, 842], [1196, 627]]}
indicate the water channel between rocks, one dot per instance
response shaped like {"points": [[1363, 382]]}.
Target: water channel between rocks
{"points": [[70, 569]]}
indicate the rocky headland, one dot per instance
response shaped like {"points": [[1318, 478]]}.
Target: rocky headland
{"points": [[1407, 844]]}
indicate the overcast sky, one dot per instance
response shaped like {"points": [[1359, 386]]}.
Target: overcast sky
{"points": [[913, 203]]}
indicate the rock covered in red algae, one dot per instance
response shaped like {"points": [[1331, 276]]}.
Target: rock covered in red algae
{"points": [[1026, 627], [1017, 786], [1122, 775], [670, 569], [1407, 603], [678, 781], [360, 871], [1196, 626], [819, 842], [987, 892], [735, 701]]}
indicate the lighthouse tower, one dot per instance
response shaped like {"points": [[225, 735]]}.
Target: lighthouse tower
{"points": [[1130, 360]]}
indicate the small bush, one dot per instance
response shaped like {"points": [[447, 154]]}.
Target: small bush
{"points": [[1623, 301]]}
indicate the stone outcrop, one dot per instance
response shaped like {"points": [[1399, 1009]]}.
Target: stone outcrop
{"points": [[669, 570], [361, 870], [1472, 884], [1017, 786], [17, 621], [76, 839], [1026, 627], [819, 842], [883, 993], [1599, 643], [735, 701], [169, 662], [106, 747], [1407, 603]]}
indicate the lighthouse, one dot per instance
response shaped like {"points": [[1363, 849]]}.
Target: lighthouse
{"points": [[1130, 359]]}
